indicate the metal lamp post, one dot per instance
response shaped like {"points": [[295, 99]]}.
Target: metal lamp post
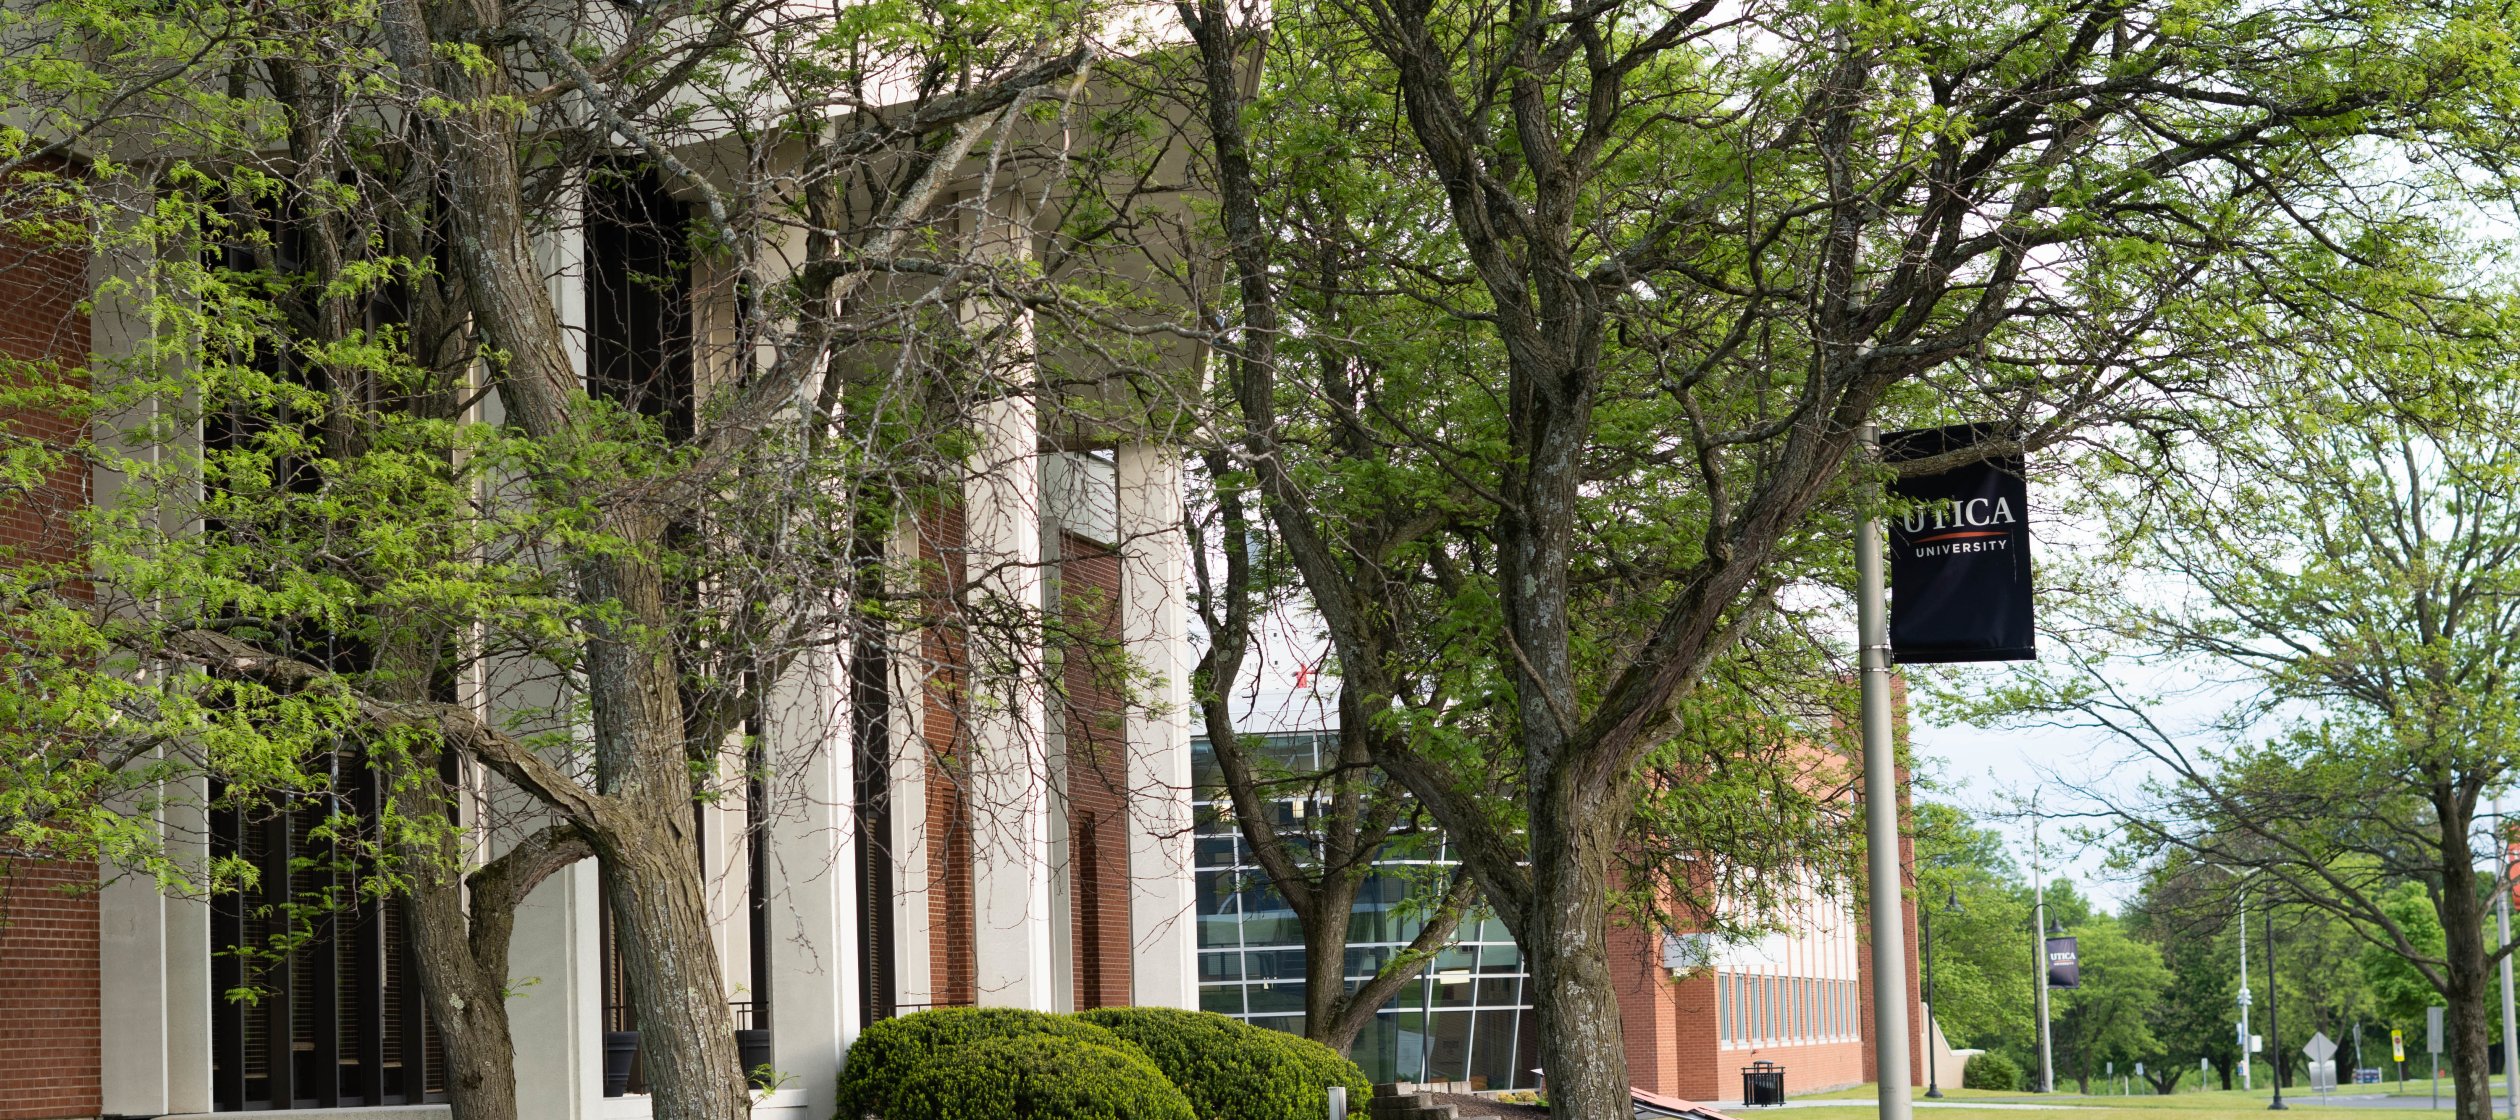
{"points": [[1933, 1070]]}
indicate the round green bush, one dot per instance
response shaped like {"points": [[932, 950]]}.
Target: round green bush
{"points": [[1232, 1070], [1991, 1070], [1038, 1077], [888, 1052]]}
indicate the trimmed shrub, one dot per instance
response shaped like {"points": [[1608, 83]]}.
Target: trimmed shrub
{"points": [[1038, 1077], [1232, 1070], [1991, 1070], [889, 1051]]}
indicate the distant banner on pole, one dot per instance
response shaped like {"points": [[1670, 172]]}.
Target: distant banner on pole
{"points": [[1960, 554], [2064, 958]]}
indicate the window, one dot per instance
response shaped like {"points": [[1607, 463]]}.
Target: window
{"points": [[340, 1021], [1723, 1007], [1467, 1018]]}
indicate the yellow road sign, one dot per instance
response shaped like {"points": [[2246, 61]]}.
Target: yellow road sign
{"points": [[2397, 1046]]}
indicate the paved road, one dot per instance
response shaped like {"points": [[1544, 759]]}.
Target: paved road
{"points": [[2340, 1100]]}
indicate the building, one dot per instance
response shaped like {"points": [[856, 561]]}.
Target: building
{"points": [[925, 850], [1695, 1011], [1465, 1018]]}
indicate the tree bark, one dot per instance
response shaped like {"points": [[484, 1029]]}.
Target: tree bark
{"points": [[467, 1006], [1564, 934], [638, 822], [2464, 972], [463, 956]]}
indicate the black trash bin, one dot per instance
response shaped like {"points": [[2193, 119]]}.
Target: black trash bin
{"points": [[1762, 1083]]}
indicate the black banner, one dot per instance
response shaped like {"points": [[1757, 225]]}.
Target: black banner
{"points": [[2064, 963], [1960, 553]]}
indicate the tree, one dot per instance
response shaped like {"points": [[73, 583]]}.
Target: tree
{"points": [[2344, 540], [420, 529], [1320, 860], [1984, 953], [2197, 1016], [2108, 1020], [1549, 374]]}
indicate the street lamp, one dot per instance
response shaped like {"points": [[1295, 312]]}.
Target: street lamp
{"points": [[1933, 1071]]}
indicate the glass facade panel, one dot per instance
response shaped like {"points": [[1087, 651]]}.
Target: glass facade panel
{"points": [[1466, 1019], [1723, 1007]]}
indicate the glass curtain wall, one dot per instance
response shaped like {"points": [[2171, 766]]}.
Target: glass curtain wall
{"points": [[1465, 1019]]}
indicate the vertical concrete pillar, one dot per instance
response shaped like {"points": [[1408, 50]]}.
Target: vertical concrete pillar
{"points": [[1154, 628], [555, 959], [905, 730], [810, 828], [1009, 766]]}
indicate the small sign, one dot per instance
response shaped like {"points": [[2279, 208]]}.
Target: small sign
{"points": [[2397, 1046], [1960, 556], [2432, 1029], [2064, 964], [2257, 1044], [2319, 1048]]}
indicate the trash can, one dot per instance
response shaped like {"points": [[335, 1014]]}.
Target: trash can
{"points": [[1762, 1083]]}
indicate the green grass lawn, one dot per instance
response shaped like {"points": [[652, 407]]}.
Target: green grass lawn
{"points": [[2213, 1104]]}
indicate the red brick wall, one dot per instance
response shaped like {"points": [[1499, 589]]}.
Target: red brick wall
{"points": [[48, 921], [40, 322], [953, 971], [1670, 1026], [1671, 1032], [48, 990], [1094, 716]]}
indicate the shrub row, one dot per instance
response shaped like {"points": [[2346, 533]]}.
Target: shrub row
{"points": [[1133, 1063]]}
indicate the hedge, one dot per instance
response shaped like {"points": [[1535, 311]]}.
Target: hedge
{"points": [[888, 1052], [1991, 1070], [1037, 1077], [1232, 1070]]}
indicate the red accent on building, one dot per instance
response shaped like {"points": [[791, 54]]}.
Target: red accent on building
{"points": [[49, 992], [1673, 1026], [1095, 720]]}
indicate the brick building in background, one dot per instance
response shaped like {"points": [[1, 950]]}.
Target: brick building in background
{"points": [[1694, 1011], [49, 986], [1696, 1014]]}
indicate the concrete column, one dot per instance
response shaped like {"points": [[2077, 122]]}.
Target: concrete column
{"points": [[153, 958], [811, 829], [1154, 628], [905, 729], [555, 956], [1009, 771]]}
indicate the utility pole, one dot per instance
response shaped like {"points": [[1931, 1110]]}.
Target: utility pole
{"points": [[2038, 936], [2245, 1063], [1881, 817], [2274, 1035], [2502, 908]]}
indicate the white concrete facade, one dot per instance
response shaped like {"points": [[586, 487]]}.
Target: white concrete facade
{"points": [[157, 992]]}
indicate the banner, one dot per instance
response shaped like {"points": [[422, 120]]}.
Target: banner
{"points": [[1960, 554], [2064, 963]]}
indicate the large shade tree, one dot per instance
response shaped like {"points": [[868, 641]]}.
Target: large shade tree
{"points": [[369, 508], [1552, 329], [2337, 559]]}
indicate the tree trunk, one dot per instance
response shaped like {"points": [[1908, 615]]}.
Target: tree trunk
{"points": [[2462, 920], [467, 1006], [1575, 998], [639, 825], [1325, 964], [686, 1032]]}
